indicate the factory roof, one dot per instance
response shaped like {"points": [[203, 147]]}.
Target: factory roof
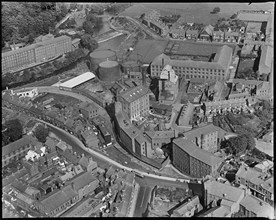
{"points": [[222, 60], [202, 130], [224, 191], [160, 134], [134, 93], [148, 50], [266, 59], [50, 41], [196, 152], [78, 80], [260, 208]]}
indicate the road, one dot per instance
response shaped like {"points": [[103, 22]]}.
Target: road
{"points": [[143, 199]]}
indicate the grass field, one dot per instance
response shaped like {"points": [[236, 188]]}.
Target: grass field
{"points": [[200, 11]]}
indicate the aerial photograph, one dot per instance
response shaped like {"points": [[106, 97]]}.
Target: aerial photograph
{"points": [[137, 109]]}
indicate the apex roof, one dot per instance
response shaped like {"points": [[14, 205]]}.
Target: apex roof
{"points": [[224, 191]]}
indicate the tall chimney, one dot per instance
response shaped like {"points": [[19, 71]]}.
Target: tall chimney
{"points": [[162, 63]]}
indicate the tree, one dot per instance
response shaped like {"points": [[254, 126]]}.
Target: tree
{"points": [[41, 133], [234, 16], [88, 42], [13, 131], [216, 10]]}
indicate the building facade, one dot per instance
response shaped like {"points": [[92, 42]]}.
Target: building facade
{"points": [[89, 110], [190, 159], [35, 53], [135, 102], [216, 70]]}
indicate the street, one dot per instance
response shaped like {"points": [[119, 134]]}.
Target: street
{"points": [[143, 199]]}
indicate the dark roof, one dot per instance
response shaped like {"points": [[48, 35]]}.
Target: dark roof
{"points": [[196, 152], [24, 141], [147, 50]]}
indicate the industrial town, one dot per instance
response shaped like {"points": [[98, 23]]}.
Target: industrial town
{"points": [[137, 109]]}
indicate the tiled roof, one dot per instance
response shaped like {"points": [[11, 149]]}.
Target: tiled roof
{"points": [[184, 208], [224, 191], [83, 180], [196, 152], [260, 208], [24, 141], [59, 198], [256, 177], [135, 93], [202, 130], [160, 134]]}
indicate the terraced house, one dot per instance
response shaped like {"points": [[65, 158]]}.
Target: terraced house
{"points": [[260, 184]]}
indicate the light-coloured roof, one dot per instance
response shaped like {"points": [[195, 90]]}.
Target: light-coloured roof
{"points": [[187, 206], [83, 179], [224, 191], [265, 147], [253, 17], [43, 43], [210, 128], [256, 177], [260, 208], [134, 93], [78, 80], [59, 198], [194, 151]]}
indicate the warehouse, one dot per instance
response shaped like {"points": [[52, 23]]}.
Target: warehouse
{"points": [[77, 81]]}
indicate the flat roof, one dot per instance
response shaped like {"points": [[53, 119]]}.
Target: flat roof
{"points": [[78, 80]]}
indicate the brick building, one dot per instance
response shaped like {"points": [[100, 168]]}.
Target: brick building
{"points": [[17, 149], [89, 110], [135, 102], [35, 53], [192, 160], [260, 184], [207, 138], [188, 68]]}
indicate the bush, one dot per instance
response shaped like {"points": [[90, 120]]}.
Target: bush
{"points": [[13, 131]]}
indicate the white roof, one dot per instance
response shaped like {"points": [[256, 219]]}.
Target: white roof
{"points": [[78, 80]]}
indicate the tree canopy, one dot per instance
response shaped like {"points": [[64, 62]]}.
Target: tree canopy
{"points": [[41, 133], [88, 42], [13, 131], [24, 21]]}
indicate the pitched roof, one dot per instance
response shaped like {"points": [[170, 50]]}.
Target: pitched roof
{"points": [[83, 180], [202, 130], [24, 141], [50, 142], [58, 198], [187, 206], [196, 152], [134, 93], [70, 156], [260, 208], [224, 191], [256, 177]]}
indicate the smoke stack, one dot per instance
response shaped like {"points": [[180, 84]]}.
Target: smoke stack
{"points": [[162, 63]]}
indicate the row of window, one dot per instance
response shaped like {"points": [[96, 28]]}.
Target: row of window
{"points": [[183, 68]]}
